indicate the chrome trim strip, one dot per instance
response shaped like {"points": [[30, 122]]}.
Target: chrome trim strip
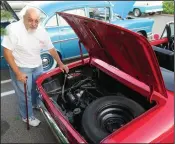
{"points": [[59, 41], [51, 122], [52, 26], [84, 55]]}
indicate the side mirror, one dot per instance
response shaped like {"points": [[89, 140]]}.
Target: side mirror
{"points": [[156, 36]]}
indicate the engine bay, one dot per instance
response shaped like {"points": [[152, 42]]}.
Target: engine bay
{"points": [[90, 99]]}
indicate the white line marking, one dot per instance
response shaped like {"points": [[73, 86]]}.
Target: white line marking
{"points": [[7, 93], [6, 81]]}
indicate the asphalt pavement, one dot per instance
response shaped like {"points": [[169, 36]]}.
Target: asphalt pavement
{"points": [[159, 22], [13, 130]]}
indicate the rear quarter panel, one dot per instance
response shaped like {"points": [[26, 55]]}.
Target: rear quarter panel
{"points": [[155, 126], [137, 24]]}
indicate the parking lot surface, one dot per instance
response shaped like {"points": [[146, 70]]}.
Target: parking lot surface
{"points": [[13, 130], [159, 22]]}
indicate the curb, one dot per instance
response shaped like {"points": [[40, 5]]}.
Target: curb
{"points": [[167, 14]]}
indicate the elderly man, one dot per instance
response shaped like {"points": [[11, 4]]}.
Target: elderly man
{"points": [[22, 46]]}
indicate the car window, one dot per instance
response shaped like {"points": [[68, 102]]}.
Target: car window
{"points": [[102, 13], [52, 22], [164, 34], [172, 29], [80, 12]]}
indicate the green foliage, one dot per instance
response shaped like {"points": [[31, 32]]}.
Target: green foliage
{"points": [[5, 16], [3, 32], [168, 7]]}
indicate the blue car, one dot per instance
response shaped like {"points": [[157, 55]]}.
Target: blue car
{"points": [[63, 37], [147, 7]]}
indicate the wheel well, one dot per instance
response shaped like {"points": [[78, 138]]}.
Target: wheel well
{"points": [[143, 33], [135, 8], [59, 55]]}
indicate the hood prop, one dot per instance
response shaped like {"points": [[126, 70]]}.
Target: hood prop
{"points": [[81, 52]]}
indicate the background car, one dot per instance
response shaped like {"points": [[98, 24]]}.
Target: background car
{"points": [[63, 37], [114, 96], [147, 7], [119, 7], [164, 47]]}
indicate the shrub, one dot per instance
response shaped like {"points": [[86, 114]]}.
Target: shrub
{"points": [[5, 16], [168, 7]]}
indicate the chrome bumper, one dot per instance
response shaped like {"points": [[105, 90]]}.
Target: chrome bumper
{"points": [[52, 124]]}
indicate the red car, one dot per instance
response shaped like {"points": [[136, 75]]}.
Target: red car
{"points": [[164, 47], [116, 95]]}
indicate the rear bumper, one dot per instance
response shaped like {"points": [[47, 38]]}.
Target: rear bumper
{"points": [[149, 8], [153, 10], [52, 124]]}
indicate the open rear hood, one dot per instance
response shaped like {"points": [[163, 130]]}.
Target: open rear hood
{"points": [[119, 47]]}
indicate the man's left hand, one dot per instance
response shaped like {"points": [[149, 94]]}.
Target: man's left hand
{"points": [[64, 68]]}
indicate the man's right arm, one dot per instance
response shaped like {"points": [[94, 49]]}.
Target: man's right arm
{"points": [[8, 43], [10, 59]]}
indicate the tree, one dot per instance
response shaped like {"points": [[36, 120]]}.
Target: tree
{"points": [[5, 16], [168, 7]]}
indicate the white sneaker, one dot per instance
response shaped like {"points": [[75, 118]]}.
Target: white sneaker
{"points": [[32, 121]]}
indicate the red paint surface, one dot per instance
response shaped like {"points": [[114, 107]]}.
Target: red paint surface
{"points": [[153, 126], [119, 47], [134, 57], [158, 42]]}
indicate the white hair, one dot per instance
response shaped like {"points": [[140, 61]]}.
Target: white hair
{"points": [[27, 9]]}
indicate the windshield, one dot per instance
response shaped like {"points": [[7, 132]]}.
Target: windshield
{"points": [[42, 14]]}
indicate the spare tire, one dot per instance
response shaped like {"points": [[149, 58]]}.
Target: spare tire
{"points": [[107, 114]]}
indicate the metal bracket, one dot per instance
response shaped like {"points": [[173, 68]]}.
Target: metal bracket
{"points": [[81, 52]]}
